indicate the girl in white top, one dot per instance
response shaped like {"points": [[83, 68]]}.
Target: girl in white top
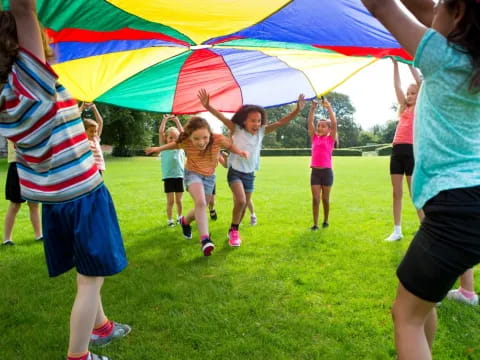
{"points": [[247, 127]]}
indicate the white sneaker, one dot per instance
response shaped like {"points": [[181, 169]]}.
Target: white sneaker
{"points": [[457, 295], [394, 237]]}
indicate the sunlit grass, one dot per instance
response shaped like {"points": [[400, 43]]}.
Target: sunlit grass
{"points": [[286, 293]]}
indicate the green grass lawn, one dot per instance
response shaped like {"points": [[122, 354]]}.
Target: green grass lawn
{"points": [[286, 293]]}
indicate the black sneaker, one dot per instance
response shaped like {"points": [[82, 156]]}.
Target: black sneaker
{"points": [[213, 214], [186, 229], [314, 228], [8, 243], [207, 246], [324, 225]]}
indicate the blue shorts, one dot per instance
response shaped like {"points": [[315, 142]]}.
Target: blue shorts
{"points": [[208, 182], [246, 179], [84, 234]]}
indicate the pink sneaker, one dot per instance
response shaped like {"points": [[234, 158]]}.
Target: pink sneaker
{"points": [[234, 238]]}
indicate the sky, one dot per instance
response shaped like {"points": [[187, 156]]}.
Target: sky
{"points": [[371, 92]]}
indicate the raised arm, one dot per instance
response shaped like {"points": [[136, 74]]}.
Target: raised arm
{"points": [[177, 123], [421, 9], [286, 119], [98, 118], [416, 75], [406, 29], [227, 143], [398, 84], [332, 117], [310, 119], [29, 33], [158, 149], [204, 98], [161, 129]]}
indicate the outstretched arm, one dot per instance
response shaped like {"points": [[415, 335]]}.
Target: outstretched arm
{"points": [[227, 143], [204, 98], [158, 149], [286, 119], [397, 84], [311, 114], [28, 28], [407, 30], [98, 118], [332, 117]]}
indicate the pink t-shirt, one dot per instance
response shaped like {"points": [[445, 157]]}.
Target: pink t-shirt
{"points": [[322, 148], [404, 132]]}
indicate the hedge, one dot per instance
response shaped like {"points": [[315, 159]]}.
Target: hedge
{"points": [[307, 152], [366, 148], [385, 150]]}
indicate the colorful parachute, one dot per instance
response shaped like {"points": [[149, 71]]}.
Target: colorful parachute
{"points": [[155, 55]]}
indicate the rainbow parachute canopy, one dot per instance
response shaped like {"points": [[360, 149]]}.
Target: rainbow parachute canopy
{"points": [[155, 55]]}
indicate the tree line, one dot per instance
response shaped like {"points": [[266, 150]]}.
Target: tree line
{"points": [[128, 130]]}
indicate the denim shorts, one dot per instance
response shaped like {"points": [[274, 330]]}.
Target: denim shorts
{"points": [[246, 179], [207, 181]]}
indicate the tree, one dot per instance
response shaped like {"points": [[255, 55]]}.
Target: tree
{"points": [[367, 137], [385, 133]]}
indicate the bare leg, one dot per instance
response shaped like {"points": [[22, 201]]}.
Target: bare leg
{"points": [[316, 191], [250, 206], [420, 213], [170, 202], [35, 218], [239, 201], [178, 202], [198, 213], [84, 312], [10, 220], [326, 202], [466, 280], [415, 325], [397, 185], [211, 203]]}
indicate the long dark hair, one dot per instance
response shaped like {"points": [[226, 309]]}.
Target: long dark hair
{"points": [[8, 44], [241, 115], [467, 35], [196, 123]]}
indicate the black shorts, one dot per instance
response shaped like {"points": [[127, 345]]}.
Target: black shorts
{"points": [[323, 177], [401, 161], [445, 246], [173, 185], [12, 186]]}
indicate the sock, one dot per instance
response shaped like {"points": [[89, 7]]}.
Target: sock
{"points": [[104, 329], [39, 237], [397, 229], [234, 227], [204, 237], [466, 293], [78, 356], [170, 220]]}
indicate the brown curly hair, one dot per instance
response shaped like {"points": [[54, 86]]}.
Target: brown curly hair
{"points": [[195, 123], [8, 44]]}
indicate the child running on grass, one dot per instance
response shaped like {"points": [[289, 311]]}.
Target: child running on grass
{"points": [[446, 179], [56, 167], [202, 149], [94, 128], [401, 160], [12, 193], [323, 138], [247, 128], [173, 162]]}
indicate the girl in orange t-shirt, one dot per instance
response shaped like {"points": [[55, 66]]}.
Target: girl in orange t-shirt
{"points": [[202, 148]]}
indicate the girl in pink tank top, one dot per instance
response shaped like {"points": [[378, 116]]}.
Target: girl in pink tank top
{"points": [[402, 161], [321, 180]]}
